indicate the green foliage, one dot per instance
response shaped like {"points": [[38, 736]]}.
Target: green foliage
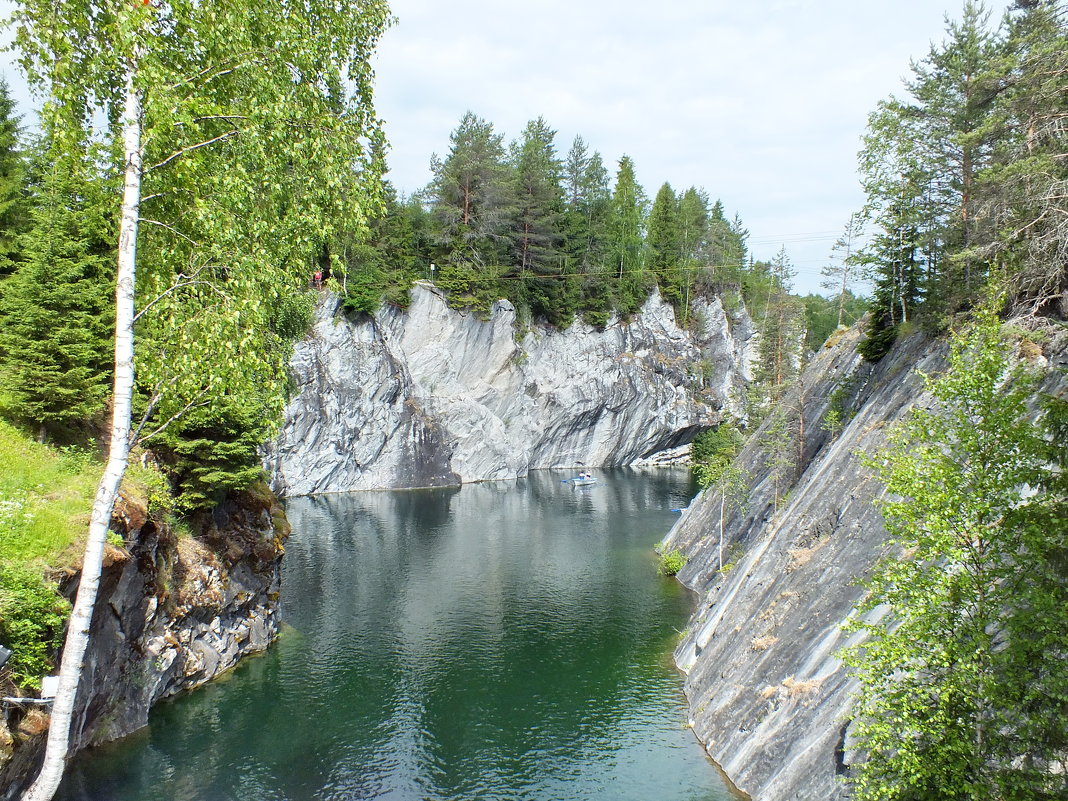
{"points": [[260, 141], [145, 483], [212, 452], [712, 451], [538, 226], [964, 175], [55, 334], [780, 442], [45, 497], [782, 332], [549, 234], [32, 617], [626, 226], [472, 195], [293, 315], [671, 562], [12, 177], [821, 316], [964, 682], [663, 244]]}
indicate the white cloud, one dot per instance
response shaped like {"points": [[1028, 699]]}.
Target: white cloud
{"points": [[763, 104]]}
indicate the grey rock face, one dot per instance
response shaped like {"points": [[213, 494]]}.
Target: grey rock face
{"points": [[768, 696], [430, 396], [171, 616]]}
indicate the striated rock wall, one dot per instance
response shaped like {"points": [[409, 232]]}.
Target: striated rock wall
{"points": [[768, 696], [430, 396], [171, 614]]}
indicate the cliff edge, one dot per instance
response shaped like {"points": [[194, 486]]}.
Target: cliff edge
{"points": [[432, 396]]}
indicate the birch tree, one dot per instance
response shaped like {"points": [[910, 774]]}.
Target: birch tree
{"points": [[240, 132]]}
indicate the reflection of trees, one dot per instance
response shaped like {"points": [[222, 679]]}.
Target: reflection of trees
{"points": [[447, 637]]}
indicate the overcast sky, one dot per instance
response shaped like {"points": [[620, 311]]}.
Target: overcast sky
{"points": [[760, 103]]}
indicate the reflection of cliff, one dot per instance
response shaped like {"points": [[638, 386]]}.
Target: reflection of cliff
{"points": [[527, 616], [430, 396], [767, 693]]}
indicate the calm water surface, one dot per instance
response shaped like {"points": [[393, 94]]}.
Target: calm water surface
{"points": [[501, 641]]}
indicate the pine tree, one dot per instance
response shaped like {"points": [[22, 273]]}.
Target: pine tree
{"points": [[472, 196], [539, 220], [1022, 196], [55, 329], [781, 332], [12, 202], [627, 237], [840, 273], [919, 166]]}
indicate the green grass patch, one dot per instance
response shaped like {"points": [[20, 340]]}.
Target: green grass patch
{"points": [[45, 499]]}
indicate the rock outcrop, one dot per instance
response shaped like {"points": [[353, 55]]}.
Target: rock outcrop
{"points": [[431, 396], [172, 613], [768, 695]]}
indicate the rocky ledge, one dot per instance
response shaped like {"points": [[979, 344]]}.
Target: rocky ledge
{"points": [[172, 613]]}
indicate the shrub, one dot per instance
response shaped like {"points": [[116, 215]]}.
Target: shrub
{"points": [[671, 562], [32, 616]]}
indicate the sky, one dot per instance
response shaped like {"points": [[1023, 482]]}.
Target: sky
{"points": [[762, 104]]}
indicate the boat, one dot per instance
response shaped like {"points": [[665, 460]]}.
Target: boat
{"points": [[581, 481]]}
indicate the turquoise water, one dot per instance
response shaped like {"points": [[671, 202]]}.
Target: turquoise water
{"points": [[500, 641]]}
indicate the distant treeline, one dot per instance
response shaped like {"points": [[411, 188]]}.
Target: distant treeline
{"points": [[557, 235]]}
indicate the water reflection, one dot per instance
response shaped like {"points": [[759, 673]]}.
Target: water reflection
{"points": [[503, 641]]}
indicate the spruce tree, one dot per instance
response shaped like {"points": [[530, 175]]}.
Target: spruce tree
{"points": [[626, 228], [55, 308], [588, 199], [664, 248], [12, 178], [539, 219], [694, 225]]}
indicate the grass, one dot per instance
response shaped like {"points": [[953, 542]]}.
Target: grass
{"points": [[45, 499]]}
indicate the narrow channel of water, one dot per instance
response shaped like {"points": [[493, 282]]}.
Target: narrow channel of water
{"points": [[500, 641]]}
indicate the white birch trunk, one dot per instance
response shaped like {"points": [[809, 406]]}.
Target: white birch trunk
{"points": [[70, 670]]}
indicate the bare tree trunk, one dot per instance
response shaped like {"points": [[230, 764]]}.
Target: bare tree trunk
{"points": [[722, 504], [77, 641], [841, 293]]}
